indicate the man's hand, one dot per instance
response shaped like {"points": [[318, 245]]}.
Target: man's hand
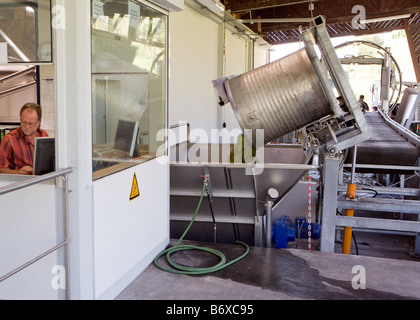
{"points": [[27, 170]]}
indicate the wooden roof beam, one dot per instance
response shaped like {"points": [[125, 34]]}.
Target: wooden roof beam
{"points": [[343, 34], [336, 20], [268, 4], [414, 52]]}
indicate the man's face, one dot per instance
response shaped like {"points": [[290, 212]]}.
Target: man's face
{"points": [[29, 122]]}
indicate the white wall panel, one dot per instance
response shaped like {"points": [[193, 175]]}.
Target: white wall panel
{"points": [[202, 50], [26, 231], [129, 234], [237, 52], [193, 65]]}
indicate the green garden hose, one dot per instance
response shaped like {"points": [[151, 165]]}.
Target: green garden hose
{"points": [[178, 269]]}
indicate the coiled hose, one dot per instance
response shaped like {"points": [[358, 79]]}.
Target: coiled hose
{"points": [[179, 269]]}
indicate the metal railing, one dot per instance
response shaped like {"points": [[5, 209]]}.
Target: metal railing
{"points": [[31, 182], [180, 125], [14, 46]]}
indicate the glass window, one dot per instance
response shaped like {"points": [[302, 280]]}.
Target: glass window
{"points": [[25, 30], [128, 83]]}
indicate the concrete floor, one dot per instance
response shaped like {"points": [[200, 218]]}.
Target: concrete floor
{"points": [[289, 274]]}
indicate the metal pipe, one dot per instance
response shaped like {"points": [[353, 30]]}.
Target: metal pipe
{"points": [[382, 205], [372, 44], [183, 124], [66, 232], [385, 191], [385, 167], [18, 73], [272, 194], [268, 232], [351, 194], [380, 224], [283, 166], [22, 86], [29, 263], [14, 46], [348, 230], [353, 167], [332, 133], [34, 181], [277, 20], [379, 231]]}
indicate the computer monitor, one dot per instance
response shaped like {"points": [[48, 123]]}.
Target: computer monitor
{"points": [[44, 156], [126, 137]]}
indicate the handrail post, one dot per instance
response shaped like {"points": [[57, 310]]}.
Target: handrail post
{"points": [[66, 233]]}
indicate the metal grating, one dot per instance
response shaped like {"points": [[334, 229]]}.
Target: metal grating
{"points": [[341, 30], [339, 16]]}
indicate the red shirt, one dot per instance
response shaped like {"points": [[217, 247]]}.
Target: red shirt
{"points": [[16, 151]]}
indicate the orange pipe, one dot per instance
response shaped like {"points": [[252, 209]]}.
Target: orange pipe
{"points": [[351, 191], [347, 234], [351, 194]]}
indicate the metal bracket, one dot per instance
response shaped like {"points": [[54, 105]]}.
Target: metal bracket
{"points": [[358, 131]]}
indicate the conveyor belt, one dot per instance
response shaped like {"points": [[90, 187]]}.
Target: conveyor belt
{"points": [[386, 146]]}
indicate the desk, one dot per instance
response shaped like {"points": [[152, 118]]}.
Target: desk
{"points": [[107, 160]]}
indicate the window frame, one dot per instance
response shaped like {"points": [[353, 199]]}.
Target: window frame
{"points": [[162, 150]]}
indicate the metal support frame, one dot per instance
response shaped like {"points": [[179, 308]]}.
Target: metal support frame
{"points": [[385, 205], [331, 202], [268, 217], [318, 36], [331, 166], [378, 224], [272, 195], [341, 140], [416, 250], [309, 40]]}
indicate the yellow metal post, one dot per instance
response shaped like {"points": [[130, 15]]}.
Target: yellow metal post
{"points": [[351, 194]]}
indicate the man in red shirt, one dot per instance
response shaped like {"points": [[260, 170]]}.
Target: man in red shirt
{"points": [[17, 147]]}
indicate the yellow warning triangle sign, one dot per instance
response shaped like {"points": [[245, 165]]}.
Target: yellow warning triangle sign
{"points": [[135, 193]]}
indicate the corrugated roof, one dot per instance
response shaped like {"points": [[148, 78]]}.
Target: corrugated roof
{"points": [[339, 16]]}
